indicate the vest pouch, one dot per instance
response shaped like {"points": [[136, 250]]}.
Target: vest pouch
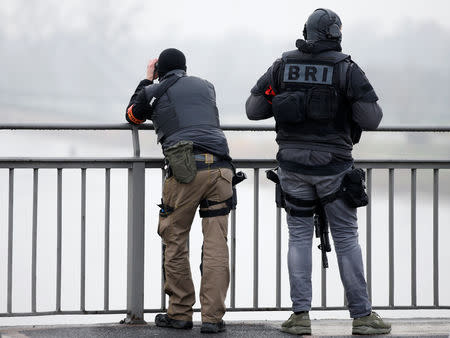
{"points": [[181, 161], [353, 188], [321, 104], [289, 107]]}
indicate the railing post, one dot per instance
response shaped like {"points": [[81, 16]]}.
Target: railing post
{"points": [[135, 250], [391, 239], [255, 237], [369, 234]]}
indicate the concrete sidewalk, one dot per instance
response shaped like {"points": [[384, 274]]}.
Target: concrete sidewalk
{"points": [[321, 328]]}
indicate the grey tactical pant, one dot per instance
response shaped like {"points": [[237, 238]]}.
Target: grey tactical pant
{"points": [[344, 230]]}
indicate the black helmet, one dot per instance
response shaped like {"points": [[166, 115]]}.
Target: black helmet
{"points": [[170, 59], [323, 24]]}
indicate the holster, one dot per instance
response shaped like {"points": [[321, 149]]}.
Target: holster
{"points": [[279, 195], [237, 178], [353, 188]]}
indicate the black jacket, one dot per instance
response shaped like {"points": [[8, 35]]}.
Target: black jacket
{"points": [[318, 154]]}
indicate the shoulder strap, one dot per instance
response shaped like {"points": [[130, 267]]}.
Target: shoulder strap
{"points": [[162, 88], [344, 76]]}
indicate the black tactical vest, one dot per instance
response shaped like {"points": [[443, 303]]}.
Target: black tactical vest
{"points": [[189, 102], [310, 96]]}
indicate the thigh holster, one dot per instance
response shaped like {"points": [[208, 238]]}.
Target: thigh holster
{"points": [[301, 203], [205, 204], [230, 203], [281, 197]]}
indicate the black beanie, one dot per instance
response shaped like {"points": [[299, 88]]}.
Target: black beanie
{"points": [[170, 59]]}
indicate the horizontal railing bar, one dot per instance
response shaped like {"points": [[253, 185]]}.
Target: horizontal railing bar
{"points": [[74, 163], [149, 126], [79, 159], [158, 163], [236, 309], [403, 164], [74, 312], [71, 126]]}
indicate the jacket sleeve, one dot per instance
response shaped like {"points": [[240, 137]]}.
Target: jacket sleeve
{"points": [[367, 115], [259, 103], [257, 107], [366, 112], [138, 110]]}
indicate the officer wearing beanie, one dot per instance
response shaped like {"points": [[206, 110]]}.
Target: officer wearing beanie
{"points": [[186, 120], [321, 101]]}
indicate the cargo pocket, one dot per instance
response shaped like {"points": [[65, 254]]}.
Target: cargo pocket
{"points": [[163, 225], [289, 107], [166, 207], [322, 104], [226, 174], [222, 186]]}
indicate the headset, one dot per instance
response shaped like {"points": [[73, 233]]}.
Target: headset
{"points": [[333, 30]]}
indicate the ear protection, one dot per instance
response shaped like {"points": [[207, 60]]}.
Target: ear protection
{"points": [[305, 34], [333, 29]]}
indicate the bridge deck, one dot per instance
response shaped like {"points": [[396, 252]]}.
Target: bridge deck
{"points": [[321, 328]]}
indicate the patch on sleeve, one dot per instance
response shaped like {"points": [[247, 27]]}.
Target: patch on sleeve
{"points": [[132, 117]]}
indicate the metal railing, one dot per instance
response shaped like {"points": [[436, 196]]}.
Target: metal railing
{"points": [[137, 166]]}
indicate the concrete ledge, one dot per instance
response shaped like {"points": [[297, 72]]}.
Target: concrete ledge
{"points": [[419, 327]]}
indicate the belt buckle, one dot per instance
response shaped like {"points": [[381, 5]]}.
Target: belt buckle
{"points": [[209, 158]]}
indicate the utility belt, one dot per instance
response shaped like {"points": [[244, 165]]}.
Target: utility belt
{"points": [[183, 165], [206, 158], [352, 190], [210, 161], [203, 162]]}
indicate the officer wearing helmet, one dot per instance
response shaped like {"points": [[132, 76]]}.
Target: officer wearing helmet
{"points": [[321, 101]]}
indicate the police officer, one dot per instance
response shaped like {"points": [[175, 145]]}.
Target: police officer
{"points": [[321, 100], [186, 120]]}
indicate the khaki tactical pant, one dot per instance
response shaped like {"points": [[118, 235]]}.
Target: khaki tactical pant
{"points": [[214, 185]]}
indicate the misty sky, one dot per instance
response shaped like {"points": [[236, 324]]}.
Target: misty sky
{"points": [[74, 58], [186, 19]]}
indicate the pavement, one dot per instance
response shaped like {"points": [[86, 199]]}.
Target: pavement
{"points": [[417, 327]]}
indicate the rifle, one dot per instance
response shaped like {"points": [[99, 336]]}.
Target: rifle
{"points": [[321, 227]]}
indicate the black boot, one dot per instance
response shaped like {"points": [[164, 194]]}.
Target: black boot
{"points": [[213, 327], [163, 320]]}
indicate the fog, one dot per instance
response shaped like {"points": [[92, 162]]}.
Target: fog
{"points": [[83, 62], [64, 62]]}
